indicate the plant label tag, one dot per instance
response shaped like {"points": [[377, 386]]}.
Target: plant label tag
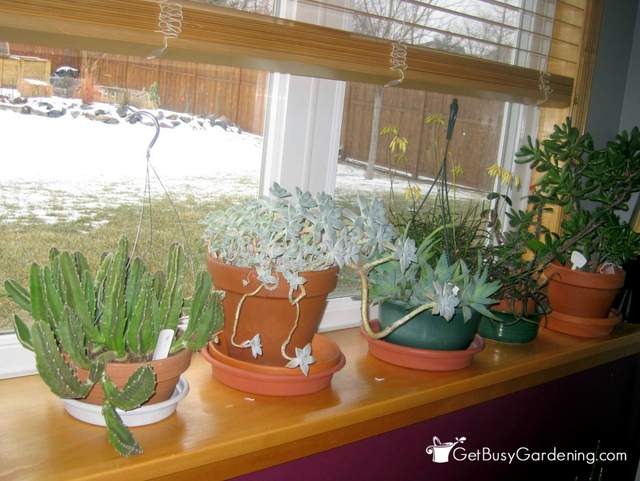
{"points": [[165, 338], [578, 260]]}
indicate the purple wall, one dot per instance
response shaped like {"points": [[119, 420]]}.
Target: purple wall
{"points": [[572, 413]]}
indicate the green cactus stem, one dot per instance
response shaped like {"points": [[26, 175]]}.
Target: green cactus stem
{"points": [[82, 321]]}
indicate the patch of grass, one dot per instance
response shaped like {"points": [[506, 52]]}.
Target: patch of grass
{"points": [[30, 239]]}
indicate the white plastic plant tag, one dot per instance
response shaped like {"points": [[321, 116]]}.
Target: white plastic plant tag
{"points": [[165, 338], [578, 260]]}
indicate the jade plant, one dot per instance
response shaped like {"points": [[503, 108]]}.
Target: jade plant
{"points": [[589, 185], [86, 321]]}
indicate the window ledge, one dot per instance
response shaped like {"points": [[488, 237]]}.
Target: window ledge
{"points": [[219, 433]]}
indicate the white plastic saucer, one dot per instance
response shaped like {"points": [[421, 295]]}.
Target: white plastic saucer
{"points": [[149, 414]]}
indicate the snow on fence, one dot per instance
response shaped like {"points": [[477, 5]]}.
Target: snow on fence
{"points": [[238, 94]]}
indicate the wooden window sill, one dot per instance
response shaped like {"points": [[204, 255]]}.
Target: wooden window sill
{"points": [[219, 433]]}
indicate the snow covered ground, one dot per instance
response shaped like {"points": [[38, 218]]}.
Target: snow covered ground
{"points": [[55, 169]]}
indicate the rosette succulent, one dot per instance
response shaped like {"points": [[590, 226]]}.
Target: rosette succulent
{"points": [[444, 287]]}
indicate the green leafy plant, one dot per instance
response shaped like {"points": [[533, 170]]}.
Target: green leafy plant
{"points": [[85, 321], [504, 254], [588, 185]]}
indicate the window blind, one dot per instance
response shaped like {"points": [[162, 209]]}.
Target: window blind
{"points": [[494, 50]]}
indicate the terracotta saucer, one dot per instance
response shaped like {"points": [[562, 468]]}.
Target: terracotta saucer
{"points": [[276, 381], [326, 353], [424, 359], [583, 326]]}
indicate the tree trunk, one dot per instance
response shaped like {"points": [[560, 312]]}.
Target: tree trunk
{"points": [[375, 132]]}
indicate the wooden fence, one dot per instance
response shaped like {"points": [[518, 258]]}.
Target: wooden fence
{"points": [[476, 139], [239, 94]]}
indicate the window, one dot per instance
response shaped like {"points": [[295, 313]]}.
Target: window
{"points": [[74, 177], [313, 131]]}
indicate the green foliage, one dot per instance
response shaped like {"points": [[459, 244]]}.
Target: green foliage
{"points": [[518, 275], [413, 276], [82, 322], [447, 286], [295, 233], [154, 93], [588, 184]]}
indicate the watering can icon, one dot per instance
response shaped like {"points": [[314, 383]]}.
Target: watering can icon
{"points": [[440, 451]]}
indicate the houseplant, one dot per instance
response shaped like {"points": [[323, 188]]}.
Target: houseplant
{"points": [[522, 299], [430, 301], [277, 259], [588, 185], [94, 337]]}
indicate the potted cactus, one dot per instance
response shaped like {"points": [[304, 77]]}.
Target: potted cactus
{"points": [[94, 337], [588, 185], [277, 259]]}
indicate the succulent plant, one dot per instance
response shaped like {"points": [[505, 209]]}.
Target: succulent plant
{"points": [[589, 185], [82, 321], [291, 234], [442, 288], [406, 274]]}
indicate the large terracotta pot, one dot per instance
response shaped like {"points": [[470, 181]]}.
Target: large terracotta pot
{"points": [[167, 371], [269, 312], [511, 329], [584, 294]]}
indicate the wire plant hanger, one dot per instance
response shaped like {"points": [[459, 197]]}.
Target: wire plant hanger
{"points": [[146, 203]]}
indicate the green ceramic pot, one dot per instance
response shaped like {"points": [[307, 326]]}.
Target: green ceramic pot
{"points": [[426, 331], [510, 329]]}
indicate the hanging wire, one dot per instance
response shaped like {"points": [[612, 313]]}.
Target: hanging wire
{"points": [[170, 21], [146, 197]]}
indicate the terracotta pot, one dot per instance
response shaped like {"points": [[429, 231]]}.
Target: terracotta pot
{"points": [[276, 381], [582, 294], [326, 353], [167, 371], [269, 312], [583, 326], [511, 329], [423, 359]]}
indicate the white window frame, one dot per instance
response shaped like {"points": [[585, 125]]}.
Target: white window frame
{"points": [[302, 139]]}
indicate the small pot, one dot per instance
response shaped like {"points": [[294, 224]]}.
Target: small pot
{"points": [[428, 331], [582, 294], [269, 312], [167, 371], [510, 328]]}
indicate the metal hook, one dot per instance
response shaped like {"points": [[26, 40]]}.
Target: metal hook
{"points": [[138, 115]]}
